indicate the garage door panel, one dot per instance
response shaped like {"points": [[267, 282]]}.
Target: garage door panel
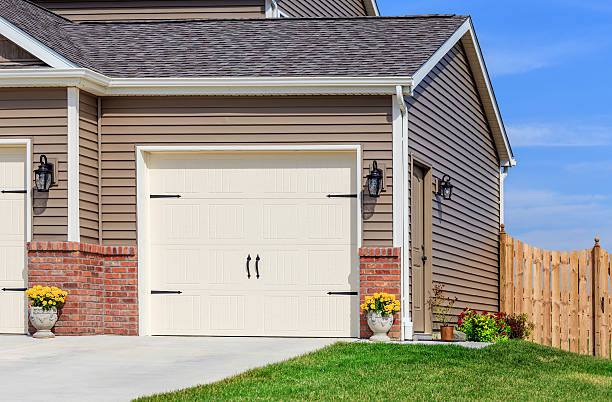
{"points": [[269, 205], [176, 311], [12, 240]]}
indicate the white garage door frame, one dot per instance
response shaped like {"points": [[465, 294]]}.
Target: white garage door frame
{"points": [[26, 144], [142, 206]]}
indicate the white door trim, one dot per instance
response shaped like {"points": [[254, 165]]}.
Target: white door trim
{"points": [[74, 223], [27, 144], [142, 210]]}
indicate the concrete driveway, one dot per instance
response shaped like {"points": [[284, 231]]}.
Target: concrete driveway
{"points": [[108, 368]]}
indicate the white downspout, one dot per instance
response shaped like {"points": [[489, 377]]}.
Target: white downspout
{"points": [[406, 327], [502, 176]]}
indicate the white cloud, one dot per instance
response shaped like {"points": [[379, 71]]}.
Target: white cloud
{"points": [[560, 134], [558, 221]]}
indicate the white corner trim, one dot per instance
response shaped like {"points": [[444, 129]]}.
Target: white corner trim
{"points": [[142, 206], [101, 85], [502, 177], [33, 46], [27, 145], [73, 165]]}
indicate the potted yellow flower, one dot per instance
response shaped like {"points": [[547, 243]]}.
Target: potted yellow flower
{"points": [[45, 301], [379, 311]]}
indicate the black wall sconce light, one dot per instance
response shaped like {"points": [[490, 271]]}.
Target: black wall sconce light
{"points": [[445, 188], [375, 180], [44, 176]]}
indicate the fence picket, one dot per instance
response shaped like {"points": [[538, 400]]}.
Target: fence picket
{"points": [[556, 300], [546, 316], [518, 269], [564, 269], [584, 316], [537, 295], [528, 285], [573, 302], [602, 302]]}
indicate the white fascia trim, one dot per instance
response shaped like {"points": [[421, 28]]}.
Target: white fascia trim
{"points": [[142, 210], [372, 8], [101, 85], [272, 10], [27, 144], [466, 28], [73, 165], [32, 46]]}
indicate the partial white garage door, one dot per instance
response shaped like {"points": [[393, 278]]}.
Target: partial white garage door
{"points": [[12, 240], [254, 244]]}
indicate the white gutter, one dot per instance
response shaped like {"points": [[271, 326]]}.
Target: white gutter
{"points": [[406, 327], [102, 85]]}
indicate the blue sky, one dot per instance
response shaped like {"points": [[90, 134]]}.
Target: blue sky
{"points": [[551, 67]]}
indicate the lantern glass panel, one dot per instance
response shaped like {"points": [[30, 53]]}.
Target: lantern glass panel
{"points": [[373, 186], [448, 191]]}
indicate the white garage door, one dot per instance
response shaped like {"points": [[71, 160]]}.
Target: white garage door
{"points": [[12, 240], [265, 211]]}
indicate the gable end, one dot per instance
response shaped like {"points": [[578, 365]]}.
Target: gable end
{"points": [[12, 56]]}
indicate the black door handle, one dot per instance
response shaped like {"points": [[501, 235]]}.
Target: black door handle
{"points": [[257, 266], [248, 271]]}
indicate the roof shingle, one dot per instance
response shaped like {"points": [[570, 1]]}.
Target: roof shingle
{"points": [[348, 47]]}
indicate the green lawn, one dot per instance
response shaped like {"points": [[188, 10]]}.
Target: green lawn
{"points": [[513, 370]]}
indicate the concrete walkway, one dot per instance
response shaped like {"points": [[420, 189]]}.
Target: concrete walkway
{"points": [[107, 368]]}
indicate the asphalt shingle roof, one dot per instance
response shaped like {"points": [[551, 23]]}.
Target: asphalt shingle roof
{"points": [[358, 46]]}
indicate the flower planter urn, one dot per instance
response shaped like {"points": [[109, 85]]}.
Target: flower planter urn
{"points": [[446, 334], [43, 321], [380, 326]]}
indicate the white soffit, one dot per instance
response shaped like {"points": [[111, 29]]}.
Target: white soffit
{"points": [[32, 46], [465, 33]]}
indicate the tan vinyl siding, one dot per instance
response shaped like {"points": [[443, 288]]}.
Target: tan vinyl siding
{"points": [[323, 8], [106, 10], [128, 122], [12, 56], [448, 129], [41, 116], [88, 167]]}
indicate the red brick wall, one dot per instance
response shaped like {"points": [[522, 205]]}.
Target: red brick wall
{"points": [[102, 285], [379, 271]]}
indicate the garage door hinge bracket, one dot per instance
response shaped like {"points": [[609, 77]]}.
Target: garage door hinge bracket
{"points": [[165, 196], [166, 292], [341, 195]]}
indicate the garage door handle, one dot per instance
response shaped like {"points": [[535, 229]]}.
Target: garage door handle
{"points": [[257, 266], [248, 271]]}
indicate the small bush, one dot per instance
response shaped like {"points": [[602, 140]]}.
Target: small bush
{"points": [[520, 328], [484, 327]]}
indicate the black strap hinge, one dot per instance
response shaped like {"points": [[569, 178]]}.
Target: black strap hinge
{"points": [[14, 191], [165, 196], [166, 292], [14, 289], [341, 195], [343, 293]]}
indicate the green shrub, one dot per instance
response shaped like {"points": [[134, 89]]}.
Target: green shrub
{"points": [[520, 328], [484, 327]]}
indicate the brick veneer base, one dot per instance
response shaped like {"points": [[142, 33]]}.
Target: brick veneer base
{"points": [[379, 271], [102, 285]]}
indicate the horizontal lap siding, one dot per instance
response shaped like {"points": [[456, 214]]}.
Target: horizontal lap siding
{"points": [[105, 10], [41, 116], [323, 8], [448, 129], [88, 167], [327, 120], [12, 56]]}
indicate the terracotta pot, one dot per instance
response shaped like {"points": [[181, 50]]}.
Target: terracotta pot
{"points": [[43, 321], [380, 325], [446, 333]]}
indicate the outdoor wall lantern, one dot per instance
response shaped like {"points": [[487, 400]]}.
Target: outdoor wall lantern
{"points": [[445, 188], [375, 180], [43, 176]]}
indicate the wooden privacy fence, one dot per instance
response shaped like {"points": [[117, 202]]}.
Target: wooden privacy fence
{"points": [[565, 294]]}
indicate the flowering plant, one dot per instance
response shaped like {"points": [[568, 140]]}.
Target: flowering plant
{"points": [[383, 303], [484, 327], [520, 327], [440, 304], [46, 297]]}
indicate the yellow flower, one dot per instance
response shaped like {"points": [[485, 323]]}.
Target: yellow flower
{"points": [[44, 302]]}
